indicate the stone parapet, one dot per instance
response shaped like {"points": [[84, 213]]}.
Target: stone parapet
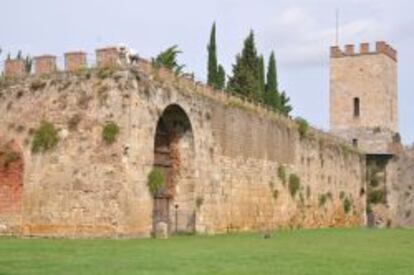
{"points": [[107, 57], [14, 68], [75, 61], [45, 64], [381, 47]]}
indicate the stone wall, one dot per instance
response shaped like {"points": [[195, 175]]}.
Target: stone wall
{"points": [[400, 188], [240, 159]]}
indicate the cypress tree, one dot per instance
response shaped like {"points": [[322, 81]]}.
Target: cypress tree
{"points": [[272, 75], [243, 81], [221, 78], [285, 108], [212, 75], [245, 70], [249, 54], [261, 77], [272, 97]]}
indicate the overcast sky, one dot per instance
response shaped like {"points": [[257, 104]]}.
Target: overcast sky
{"points": [[300, 32]]}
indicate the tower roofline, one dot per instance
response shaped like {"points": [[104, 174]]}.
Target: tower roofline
{"points": [[381, 47]]}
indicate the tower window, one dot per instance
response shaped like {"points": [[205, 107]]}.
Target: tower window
{"points": [[356, 107], [355, 143]]}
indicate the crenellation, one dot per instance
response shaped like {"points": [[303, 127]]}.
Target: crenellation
{"points": [[14, 68], [107, 57], [45, 64], [75, 61], [381, 47], [349, 49], [364, 48]]}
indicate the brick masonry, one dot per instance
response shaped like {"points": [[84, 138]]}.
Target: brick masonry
{"points": [[45, 64], [75, 61], [14, 68]]}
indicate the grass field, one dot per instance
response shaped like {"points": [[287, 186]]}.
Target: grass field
{"points": [[297, 252]]}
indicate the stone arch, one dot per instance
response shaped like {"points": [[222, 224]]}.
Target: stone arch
{"points": [[11, 185], [174, 205]]}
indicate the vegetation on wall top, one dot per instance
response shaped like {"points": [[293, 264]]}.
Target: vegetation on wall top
{"points": [[168, 59], [303, 126]]}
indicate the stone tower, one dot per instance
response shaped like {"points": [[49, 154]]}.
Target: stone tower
{"points": [[363, 97]]}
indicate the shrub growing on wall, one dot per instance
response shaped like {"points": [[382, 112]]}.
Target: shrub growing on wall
{"points": [[281, 173], [110, 132], [155, 181], [45, 138], [7, 157], [294, 184], [303, 126], [377, 196], [322, 200], [347, 205]]}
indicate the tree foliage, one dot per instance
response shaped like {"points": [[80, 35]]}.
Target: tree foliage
{"points": [[168, 60], [216, 76], [245, 71], [261, 77], [249, 78], [221, 78], [212, 58]]}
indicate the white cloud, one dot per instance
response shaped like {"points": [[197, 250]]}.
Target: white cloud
{"points": [[303, 39]]}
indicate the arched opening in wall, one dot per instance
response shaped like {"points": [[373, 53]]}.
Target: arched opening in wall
{"points": [[174, 203], [357, 107], [11, 184]]}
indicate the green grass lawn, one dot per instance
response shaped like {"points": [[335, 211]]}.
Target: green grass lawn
{"points": [[297, 252]]}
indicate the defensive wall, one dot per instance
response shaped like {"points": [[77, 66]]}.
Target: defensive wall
{"points": [[237, 166]]}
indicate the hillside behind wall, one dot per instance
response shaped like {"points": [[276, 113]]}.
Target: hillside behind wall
{"points": [[246, 159]]}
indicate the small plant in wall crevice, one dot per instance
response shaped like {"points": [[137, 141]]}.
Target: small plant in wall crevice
{"points": [[45, 138], [110, 131], [155, 181], [281, 173], [303, 126], [199, 202], [347, 204], [7, 157], [294, 184]]}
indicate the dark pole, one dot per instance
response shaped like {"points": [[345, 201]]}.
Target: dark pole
{"points": [[176, 218]]}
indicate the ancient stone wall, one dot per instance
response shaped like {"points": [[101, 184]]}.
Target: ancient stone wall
{"points": [[400, 187], [245, 168]]}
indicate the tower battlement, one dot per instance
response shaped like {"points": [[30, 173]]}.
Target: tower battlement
{"points": [[381, 47]]}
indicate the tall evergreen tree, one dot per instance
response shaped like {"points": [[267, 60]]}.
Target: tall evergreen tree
{"points": [[261, 77], [221, 78], [243, 81], [245, 70], [285, 108], [212, 67], [272, 97], [272, 85]]}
